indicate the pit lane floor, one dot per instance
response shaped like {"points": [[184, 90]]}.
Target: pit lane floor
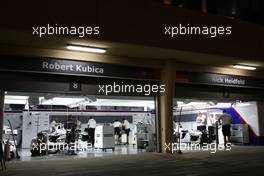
{"points": [[241, 160]]}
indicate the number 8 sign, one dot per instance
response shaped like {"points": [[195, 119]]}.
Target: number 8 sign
{"points": [[75, 86]]}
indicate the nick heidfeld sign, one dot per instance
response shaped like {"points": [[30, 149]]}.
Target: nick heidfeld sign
{"points": [[228, 80], [221, 79]]}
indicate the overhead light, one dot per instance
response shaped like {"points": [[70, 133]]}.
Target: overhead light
{"points": [[123, 102], [86, 48], [62, 101], [10, 99], [244, 67]]}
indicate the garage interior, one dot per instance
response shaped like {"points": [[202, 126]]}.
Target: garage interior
{"points": [[26, 114]]}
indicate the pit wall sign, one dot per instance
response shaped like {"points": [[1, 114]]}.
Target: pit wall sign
{"points": [[219, 79], [74, 67]]}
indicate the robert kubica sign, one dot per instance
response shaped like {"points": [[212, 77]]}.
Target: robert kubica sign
{"points": [[73, 67], [80, 68]]}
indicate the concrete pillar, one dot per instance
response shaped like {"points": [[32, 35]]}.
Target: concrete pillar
{"points": [[168, 75], [2, 96]]}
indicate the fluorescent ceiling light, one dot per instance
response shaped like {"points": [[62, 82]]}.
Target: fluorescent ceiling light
{"points": [[244, 67], [62, 101], [118, 102], [193, 106], [222, 105], [16, 97], [72, 102], [86, 49], [10, 99]]}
